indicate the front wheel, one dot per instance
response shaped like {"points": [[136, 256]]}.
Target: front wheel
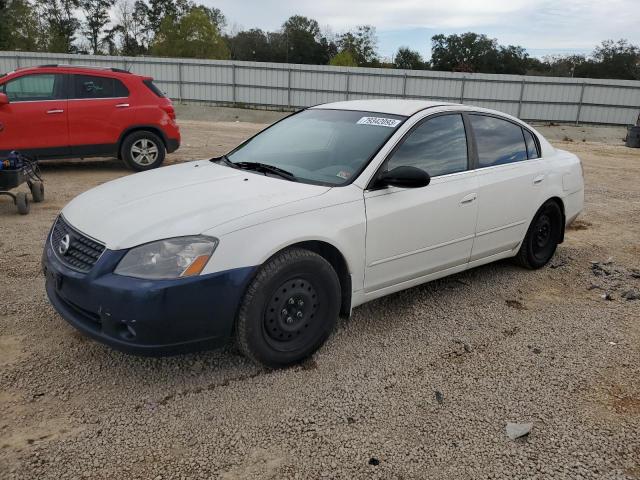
{"points": [[289, 309], [542, 237], [143, 151]]}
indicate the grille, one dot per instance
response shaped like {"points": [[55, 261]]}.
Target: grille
{"points": [[83, 251]]}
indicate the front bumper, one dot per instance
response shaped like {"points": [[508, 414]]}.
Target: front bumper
{"points": [[147, 317]]}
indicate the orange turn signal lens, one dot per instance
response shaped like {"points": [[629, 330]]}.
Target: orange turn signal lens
{"points": [[196, 266]]}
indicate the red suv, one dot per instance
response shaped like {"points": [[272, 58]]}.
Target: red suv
{"points": [[61, 111]]}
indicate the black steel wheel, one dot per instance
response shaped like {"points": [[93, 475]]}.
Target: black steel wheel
{"points": [[289, 309], [542, 237]]}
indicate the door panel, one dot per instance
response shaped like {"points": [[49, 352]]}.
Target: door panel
{"points": [[99, 111], [36, 119], [415, 232], [507, 197], [511, 182]]}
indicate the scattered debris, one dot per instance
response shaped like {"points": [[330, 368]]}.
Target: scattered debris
{"points": [[632, 294], [606, 296], [439, 397], [510, 332], [518, 430], [466, 347], [517, 304], [351, 420], [558, 263], [535, 350], [374, 461]]}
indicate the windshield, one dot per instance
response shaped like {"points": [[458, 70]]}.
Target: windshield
{"points": [[320, 146]]}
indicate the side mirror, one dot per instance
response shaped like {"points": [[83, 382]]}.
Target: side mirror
{"points": [[404, 177], [4, 100]]}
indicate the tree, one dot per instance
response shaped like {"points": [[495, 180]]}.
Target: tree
{"points": [[60, 24], [513, 60], [18, 31], [302, 42], [251, 45], [362, 44], [468, 52], [96, 14], [612, 60], [408, 59], [132, 27], [343, 59], [192, 36]]}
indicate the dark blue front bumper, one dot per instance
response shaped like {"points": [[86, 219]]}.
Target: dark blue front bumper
{"points": [[148, 317]]}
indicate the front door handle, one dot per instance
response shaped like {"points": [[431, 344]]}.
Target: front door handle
{"points": [[52, 112], [468, 199], [122, 105], [539, 179]]}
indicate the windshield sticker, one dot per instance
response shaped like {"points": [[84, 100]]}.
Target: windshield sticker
{"points": [[379, 121], [344, 175]]}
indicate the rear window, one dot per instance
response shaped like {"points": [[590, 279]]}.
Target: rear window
{"points": [[153, 87]]}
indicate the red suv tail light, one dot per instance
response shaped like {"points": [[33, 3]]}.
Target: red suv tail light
{"points": [[170, 111]]}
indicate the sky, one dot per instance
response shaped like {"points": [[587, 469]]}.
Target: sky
{"points": [[543, 27]]}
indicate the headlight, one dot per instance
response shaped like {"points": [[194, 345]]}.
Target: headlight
{"points": [[171, 258]]}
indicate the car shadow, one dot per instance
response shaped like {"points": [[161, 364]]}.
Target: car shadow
{"points": [[105, 164]]}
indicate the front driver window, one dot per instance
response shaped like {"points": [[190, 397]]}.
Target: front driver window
{"points": [[33, 88], [438, 146]]}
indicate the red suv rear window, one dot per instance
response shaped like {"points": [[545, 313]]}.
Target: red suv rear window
{"points": [[152, 86]]}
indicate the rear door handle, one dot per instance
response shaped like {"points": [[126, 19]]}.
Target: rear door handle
{"points": [[468, 199], [538, 179], [122, 105], [52, 112]]}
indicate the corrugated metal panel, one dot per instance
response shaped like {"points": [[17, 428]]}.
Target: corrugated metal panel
{"points": [[285, 85]]}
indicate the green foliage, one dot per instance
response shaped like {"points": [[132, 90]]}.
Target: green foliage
{"points": [[408, 59], [96, 13], [192, 36], [362, 44], [18, 31], [472, 52], [343, 59], [59, 25]]}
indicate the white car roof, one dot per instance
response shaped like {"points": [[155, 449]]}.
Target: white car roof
{"points": [[390, 106]]}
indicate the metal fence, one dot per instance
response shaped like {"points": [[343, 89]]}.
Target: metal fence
{"points": [[289, 86]]}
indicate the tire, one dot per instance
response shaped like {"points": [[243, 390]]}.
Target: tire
{"points": [[289, 309], [22, 202], [542, 238], [37, 191], [142, 151]]}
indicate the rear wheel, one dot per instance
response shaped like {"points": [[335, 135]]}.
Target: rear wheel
{"points": [[143, 151], [542, 238], [289, 309]]}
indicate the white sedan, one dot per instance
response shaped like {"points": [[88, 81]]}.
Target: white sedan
{"points": [[321, 212]]}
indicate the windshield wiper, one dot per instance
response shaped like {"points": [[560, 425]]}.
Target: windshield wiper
{"points": [[264, 168], [223, 159]]}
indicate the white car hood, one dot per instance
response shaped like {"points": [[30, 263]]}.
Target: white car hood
{"points": [[185, 199]]}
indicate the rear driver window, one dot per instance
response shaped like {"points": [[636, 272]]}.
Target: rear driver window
{"points": [[499, 141], [89, 86]]}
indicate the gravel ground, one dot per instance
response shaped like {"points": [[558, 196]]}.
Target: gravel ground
{"points": [[420, 384]]}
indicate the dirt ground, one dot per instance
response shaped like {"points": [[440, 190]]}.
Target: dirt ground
{"points": [[416, 385]]}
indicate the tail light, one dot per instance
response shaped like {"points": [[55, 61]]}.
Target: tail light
{"points": [[170, 111]]}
